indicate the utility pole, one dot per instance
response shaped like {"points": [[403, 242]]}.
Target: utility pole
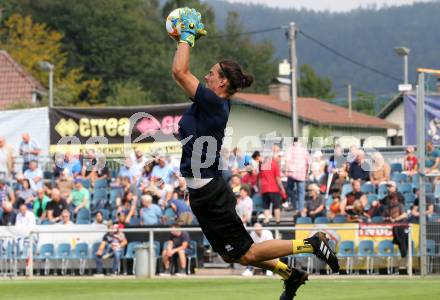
{"points": [[349, 100], [293, 69]]}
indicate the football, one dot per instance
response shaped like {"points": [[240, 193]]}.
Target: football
{"points": [[172, 24]]}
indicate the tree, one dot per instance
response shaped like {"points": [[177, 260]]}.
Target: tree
{"points": [[311, 85], [29, 43], [365, 103], [128, 93]]}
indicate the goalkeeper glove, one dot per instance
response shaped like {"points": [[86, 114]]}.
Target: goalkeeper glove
{"points": [[192, 27]]}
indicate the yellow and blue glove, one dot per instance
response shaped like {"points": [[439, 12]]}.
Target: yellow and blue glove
{"points": [[192, 26]]}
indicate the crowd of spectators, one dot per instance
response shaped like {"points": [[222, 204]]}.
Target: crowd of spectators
{"points": [[143, 191]]}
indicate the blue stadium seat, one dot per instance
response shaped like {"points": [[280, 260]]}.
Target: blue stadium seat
{"points": [[437, 191], [372, 197], [431, 254], [382, 191], [115, 192], [101, 184], [346, 251], [415, 181], [129, 255], [366, 250], [83, 216], [169, 216], [95, 247], [409, 198], [322, 220], [105, 214], [340, 219], [86, 183], [64, 253], [404, 188], [368, 188], [377, 220], [396, 167], [346, 188], [304, 220], [46, 253], [429, 189], [386, 250], [399, 177], [191, 254], [81, 253], [135, 221], [99, 199]]}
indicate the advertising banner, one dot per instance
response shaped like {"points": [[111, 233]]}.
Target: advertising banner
{"points": [[114, 130], [432, 119]]}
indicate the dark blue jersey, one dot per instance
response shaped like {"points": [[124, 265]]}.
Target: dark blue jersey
{"points": [[205, 121]]}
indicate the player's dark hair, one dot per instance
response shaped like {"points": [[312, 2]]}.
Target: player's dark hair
{"points": [[237, 78]]}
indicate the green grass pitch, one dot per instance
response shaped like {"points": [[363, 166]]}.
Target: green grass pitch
{"points": [[225, 289]]}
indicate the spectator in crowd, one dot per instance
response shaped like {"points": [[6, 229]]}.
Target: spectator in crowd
{"points": [[112, 245], [359, 169], [35, 175], [161, 191], [256, 160], [40, 205], [126, 171], [138, 163], [182, 210], [391, 190], [432, 160], [128, 205], [352, 153], [94, 167], [7, 163], [377, 209], [235, 184], [100, 171], [162, 170], [177, 245], [355, 195], [395, 211], [381, 170], [315, 205], [258, 235], [65, 218], [415, 210], [317, 168], [335, 206], [250, 178], [6, 193], [65, 183], [25, 217], [99, 219], [410, 162], [145, 178], [297, 168], [71, 165], [25, 195], [120, 219], [8, 215], [358, 214], [337, 169], [150, 213], [79, 197], [240, 160], [225, 164], [271, 188], [244, 205], [180, 190], [56, 206], [29, 150]]}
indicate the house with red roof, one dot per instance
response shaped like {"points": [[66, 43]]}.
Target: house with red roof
{"points": [[16, 85], [262, 114]]}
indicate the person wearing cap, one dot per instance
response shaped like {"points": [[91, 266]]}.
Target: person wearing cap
{"points": [[410, 162], [391, 190], [315, 205], [79, 197]]}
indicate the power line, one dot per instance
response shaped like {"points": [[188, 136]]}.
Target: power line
{"points": [[244, 33], [353, 61]]}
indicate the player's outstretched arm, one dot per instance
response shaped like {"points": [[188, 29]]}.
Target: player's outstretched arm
{"points": [[181, 73]]}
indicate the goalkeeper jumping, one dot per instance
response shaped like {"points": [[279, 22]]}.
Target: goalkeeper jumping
{"points": [[201, 131]]}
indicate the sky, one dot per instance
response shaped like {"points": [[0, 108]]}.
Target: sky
{"points": [[331, 5]]}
